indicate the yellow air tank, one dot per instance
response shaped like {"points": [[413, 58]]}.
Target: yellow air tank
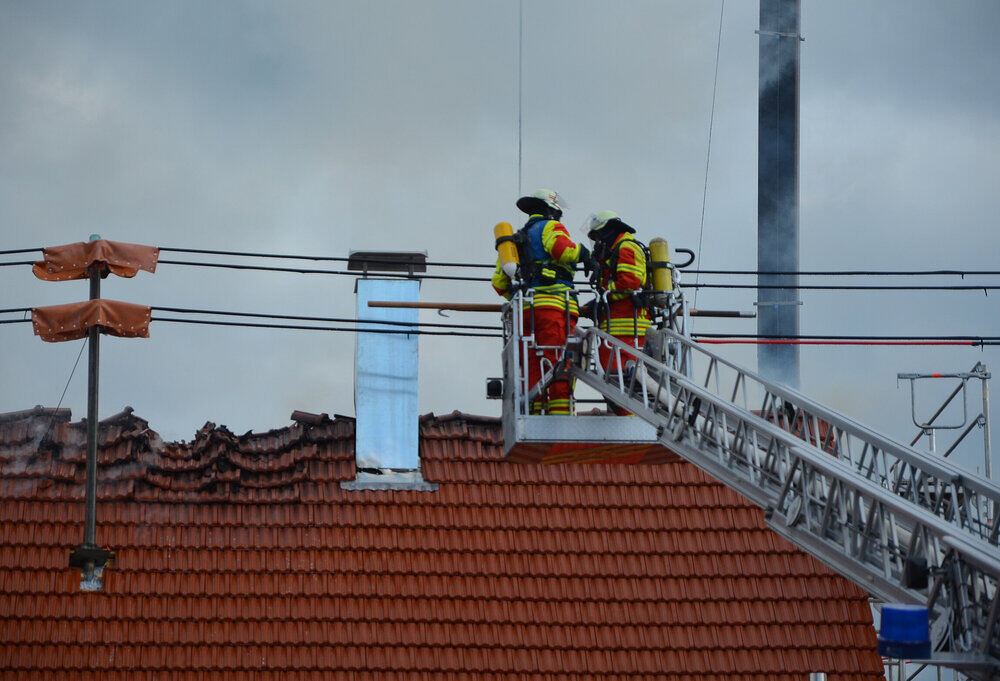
{"points": [[659, 252], [506, 249]]}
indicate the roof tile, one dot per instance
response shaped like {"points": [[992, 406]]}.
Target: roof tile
{"points": [[240, 557]]}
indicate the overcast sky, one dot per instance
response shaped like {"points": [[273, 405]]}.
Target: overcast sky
{"points": [[321, 128]]}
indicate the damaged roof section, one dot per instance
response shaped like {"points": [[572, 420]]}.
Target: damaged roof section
{"points": [[242, 557], [44, 458]]}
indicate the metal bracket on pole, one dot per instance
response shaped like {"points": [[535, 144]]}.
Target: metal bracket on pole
{"points": [[776, 303], [780, 34], [979, 371], [929, 424]]}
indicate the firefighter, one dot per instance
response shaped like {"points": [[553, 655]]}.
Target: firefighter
{"points": [[620, 273], [548, 259]]}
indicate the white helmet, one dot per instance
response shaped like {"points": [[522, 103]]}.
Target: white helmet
{"points": [[542, 201], [598, 221]]}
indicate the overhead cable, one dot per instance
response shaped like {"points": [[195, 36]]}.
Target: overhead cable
{"points": [[55, 411], [850, 273], [299, 270], [713, 338], [764, 341], [734, 272], [300, 327], [349, 320], [910, 337], [317, 258], [711, 124], [851, 287], [831, 287], [829, 273], [520, 91], [814, 287]]}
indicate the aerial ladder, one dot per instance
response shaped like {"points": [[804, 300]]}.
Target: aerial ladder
{"points": [[905, 525]]}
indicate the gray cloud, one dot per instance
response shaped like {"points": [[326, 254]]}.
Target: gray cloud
{"points": [[325, 127]]}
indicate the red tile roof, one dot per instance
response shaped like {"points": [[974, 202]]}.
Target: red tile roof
{"points": [[240, 557]]}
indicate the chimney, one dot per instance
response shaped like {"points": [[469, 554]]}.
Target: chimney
{"points": [[387, 446], [778, 188]]}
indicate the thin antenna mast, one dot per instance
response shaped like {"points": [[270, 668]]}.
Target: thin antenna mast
{"points": [[520, 58]]}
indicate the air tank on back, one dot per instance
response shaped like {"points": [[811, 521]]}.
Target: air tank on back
{"points": [[659, 267], [506, 250]]}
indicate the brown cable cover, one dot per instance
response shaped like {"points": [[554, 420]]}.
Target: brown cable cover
{"points": [[71, 261], [58, 323]]}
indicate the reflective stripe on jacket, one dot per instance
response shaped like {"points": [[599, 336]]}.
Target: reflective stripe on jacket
{"points": [[622, 317], [625, 320], [548, 250]]}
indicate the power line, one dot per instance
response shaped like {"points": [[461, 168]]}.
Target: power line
{"points": [[842, 287], [299, 327], [262, 315], [317, 258], [52, 419], [300, 270], [763, 341], [695, 286], [911, 337], [832, 273], [349, 320], [278, 256], [474, 327], [708, 154], [699, 337], [850, 287], [322, 258], [520, 88], [814, 287], [851, 273]]}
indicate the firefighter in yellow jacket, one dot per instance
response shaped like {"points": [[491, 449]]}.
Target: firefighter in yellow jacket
{"points": [[548, 259], [620, 268]]}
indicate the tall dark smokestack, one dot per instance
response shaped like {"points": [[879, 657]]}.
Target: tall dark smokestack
{"points": [[778, 187]]}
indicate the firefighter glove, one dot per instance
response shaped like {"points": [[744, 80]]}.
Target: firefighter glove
{"points": [[587, 260]]}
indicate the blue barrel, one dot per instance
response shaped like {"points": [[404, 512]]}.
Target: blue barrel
{"points": [[904, 631]]}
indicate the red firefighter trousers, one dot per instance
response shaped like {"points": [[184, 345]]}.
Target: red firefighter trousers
{"points": [[550, 328], [622, 319]]}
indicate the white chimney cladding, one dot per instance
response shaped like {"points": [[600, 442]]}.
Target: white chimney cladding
{"points": [[385, 381]]}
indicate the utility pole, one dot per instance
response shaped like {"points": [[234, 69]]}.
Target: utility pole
{"points": [[89, 556], [93, 377], [93, 261], [778, 187]]}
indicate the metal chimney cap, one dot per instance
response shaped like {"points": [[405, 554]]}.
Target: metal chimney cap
{"points": [[387, 261]]}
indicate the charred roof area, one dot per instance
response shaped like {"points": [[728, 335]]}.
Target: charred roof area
{"points": [[44, 454]]}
